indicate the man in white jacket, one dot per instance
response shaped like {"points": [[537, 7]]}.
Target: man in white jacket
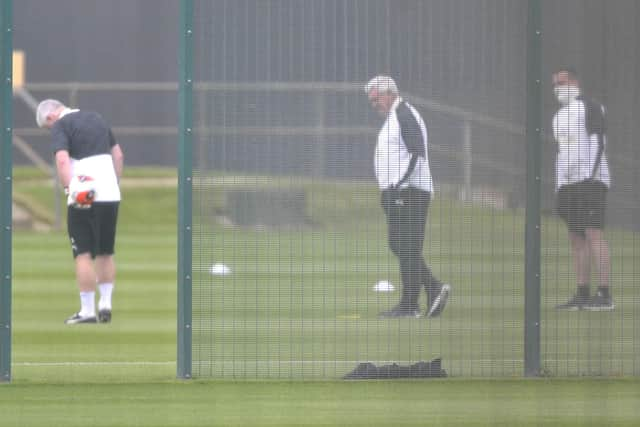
{"points": [[402, 169], [582, 182]]}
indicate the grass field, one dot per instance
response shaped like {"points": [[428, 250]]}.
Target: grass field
{"points": [[265, 326]]}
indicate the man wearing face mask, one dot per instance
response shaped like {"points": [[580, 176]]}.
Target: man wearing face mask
{"points": [[582, 182], [402, 169]]}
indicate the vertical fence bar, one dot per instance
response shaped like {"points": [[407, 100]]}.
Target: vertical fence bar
{"points": [[6, 51], [534, 170], [185, 181], [467, 159]]}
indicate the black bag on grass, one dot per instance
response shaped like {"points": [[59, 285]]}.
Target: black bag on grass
{"points": [[368, 370]]}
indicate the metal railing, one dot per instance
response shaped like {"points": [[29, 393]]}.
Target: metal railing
{"points": [[467, 118]]}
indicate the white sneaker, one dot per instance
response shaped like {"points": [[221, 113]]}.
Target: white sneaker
{"points": [[77, 318], [439, 302]]}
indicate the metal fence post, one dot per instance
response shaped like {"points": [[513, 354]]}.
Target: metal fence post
{"points": [[318, 164], [534, 185], [185, 182], [467, 160], [6, 52]]}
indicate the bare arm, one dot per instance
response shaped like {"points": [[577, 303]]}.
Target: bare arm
{"points": [[118, 160], [63, 167]]}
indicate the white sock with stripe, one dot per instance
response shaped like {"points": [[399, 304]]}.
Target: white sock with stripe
{"points": [[87, 304], [106, 289]]}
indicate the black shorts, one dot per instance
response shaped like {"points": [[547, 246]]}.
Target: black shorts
{"points": [[93, 230], [582, 205]]}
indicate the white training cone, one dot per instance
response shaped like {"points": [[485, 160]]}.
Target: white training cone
{"points": [[384, 286], [219, 270]]}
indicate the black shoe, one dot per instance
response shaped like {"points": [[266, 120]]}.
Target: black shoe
{"points": [[76, 318], [439, 302], [577, 302], [399, 312], [104, 315], [600, 303]]}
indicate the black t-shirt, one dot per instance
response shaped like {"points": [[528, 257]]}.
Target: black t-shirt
{"points": [[89, 140], [83, 134]]}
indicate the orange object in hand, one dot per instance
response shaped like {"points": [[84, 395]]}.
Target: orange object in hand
{"points": [[82, 191]]}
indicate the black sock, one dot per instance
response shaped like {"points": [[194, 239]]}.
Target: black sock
{"points": [[603, 291], [583, 290]]}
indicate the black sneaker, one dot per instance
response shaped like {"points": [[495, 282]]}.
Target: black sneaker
{"points": [[600, 303], [439, 302], [577, 302], [104, 315], [76, 318], [399, 312]]}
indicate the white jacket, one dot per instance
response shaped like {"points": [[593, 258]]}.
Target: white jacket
{"points": [[578, 150]]}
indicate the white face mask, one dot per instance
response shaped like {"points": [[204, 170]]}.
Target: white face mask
{"points": [[566, 93]]}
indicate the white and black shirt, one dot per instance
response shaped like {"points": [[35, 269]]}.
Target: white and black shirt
{"points": [[401, 156], [88, 139], [579, 130]]}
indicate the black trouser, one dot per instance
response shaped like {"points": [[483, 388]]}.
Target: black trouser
{"points": [[406, 212]]}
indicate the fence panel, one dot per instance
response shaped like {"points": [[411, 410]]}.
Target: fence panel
{"points": [[599, 43], [292, 265], [290, 253]]}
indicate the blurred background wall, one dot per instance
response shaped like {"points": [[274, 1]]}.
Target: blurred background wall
{"points": [[471, 56], [103, 41]]}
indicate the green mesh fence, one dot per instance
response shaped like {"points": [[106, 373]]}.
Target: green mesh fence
{"points": [[599, 45], [291, 266]]}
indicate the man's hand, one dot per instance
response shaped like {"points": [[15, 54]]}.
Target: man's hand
{"points": [[81, 192]]}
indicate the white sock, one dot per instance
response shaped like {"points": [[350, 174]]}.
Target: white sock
{"points": [[87, 304], [106, 289]]}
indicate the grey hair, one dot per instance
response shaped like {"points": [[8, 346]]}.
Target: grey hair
{"points": [[381, 84], [45, 108]]}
